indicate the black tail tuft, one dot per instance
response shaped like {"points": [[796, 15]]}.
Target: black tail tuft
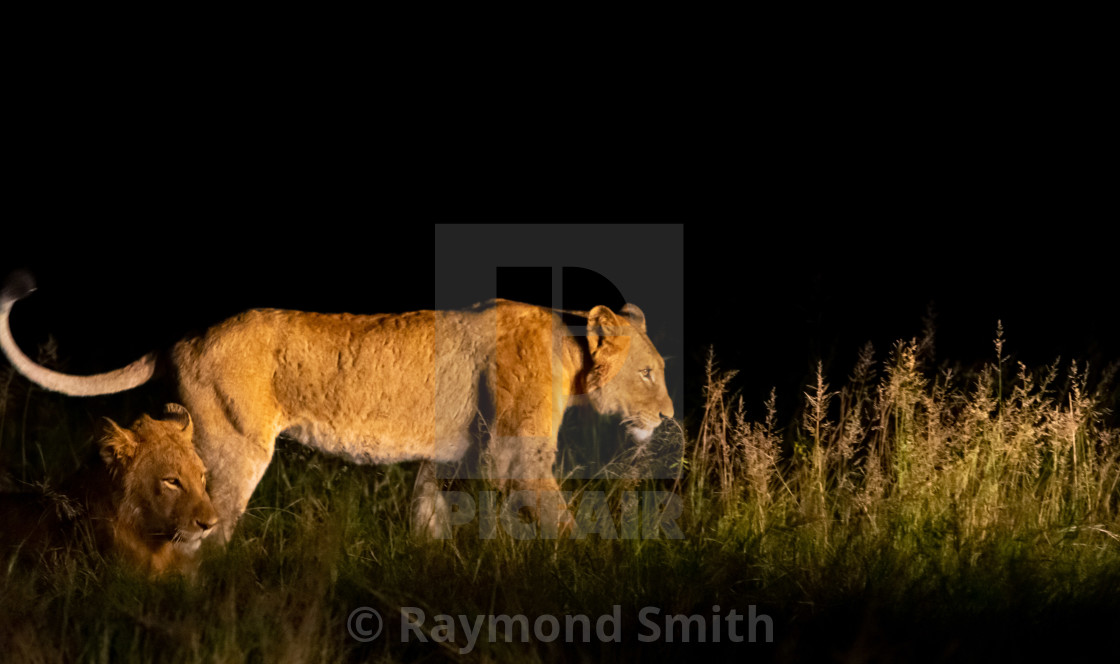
{"points": [[18, 285]]}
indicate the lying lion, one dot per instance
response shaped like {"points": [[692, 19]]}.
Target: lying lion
{"points": [[146, 502], [391, 387]]}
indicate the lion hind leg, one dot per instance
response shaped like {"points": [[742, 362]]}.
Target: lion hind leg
{"points": [[430, 511], [235, 465]]}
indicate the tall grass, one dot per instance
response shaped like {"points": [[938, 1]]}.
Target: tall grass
{"points": [[909, 513], [903, 448]]}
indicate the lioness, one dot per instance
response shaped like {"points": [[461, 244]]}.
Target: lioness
{"points": [[390, 388], [146, 501]]}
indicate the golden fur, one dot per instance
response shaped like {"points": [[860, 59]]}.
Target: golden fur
{"points": [[146, 502], [398, 387]]}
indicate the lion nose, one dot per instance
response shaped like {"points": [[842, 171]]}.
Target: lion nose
{"points": [[667, 410], [207, 523]]}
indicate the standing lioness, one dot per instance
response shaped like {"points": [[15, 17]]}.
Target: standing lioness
{"points": [[389, 388]]}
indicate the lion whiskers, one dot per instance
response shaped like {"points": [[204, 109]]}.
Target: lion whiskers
{"points": [[638, 428]]}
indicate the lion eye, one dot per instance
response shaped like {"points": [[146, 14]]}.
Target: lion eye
{"points": [[172, 482], [646, 373]]}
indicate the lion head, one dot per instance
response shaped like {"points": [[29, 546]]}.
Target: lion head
{"points": [[627, 374], [162, 509]]}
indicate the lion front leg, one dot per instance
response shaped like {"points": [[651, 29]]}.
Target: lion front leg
{"points": [[543, 503], [522, 467]]}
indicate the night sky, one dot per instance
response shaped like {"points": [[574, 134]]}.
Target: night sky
{"points": [[773, 293]]}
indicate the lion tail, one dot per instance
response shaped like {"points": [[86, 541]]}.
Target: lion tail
{"points": [[18, 286]]}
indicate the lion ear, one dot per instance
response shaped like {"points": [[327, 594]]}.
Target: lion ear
{"points": [[177, 413], [118, 445], [637, 318], [608, 343], [602, 323]]}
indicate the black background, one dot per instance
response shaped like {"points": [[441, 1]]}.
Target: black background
{"points": [[830, 197]]}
